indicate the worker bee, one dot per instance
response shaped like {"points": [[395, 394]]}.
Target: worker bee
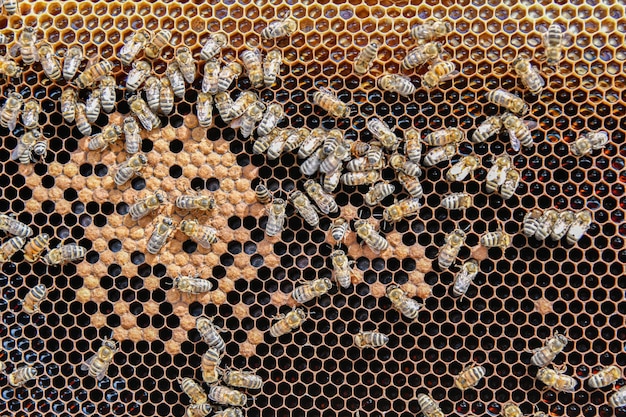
{"points": [[328, 101], [98, 364], [136, 42], [396, 83], [413, 145], [49, 62], [312, 289], [152, 88], [274, 143], [312, 142], [263, 194], [488, 128], [331, 142], [341, 267], [528, 75], [250, 118], [498, 239], [429, 407], [403, 303], [304, 207], [364, 60], [224, 105], [127, 169], [210, 333], [64, 253], [450, 250], [545, 223], [176, 79], [30, 113], [374, 240], [511, 410], [68, 104], [370, 340], [531, 222], [227, 75], [229, 412], [26, 45], [339, 229], [276, 217], [252, 62], [464, 278], [439, 154], [10, 248], [333, 161], [211, 78], [214, 44], [147, 205], [33, 298], [242, 379], [421, 55], [35, 247], [469, 377], [131, 135], [360, 148], [11, 110], [457, 201], [199, 410], [294, 138], [192, 285], [166, 96], [401, 164], [26, 146], [519, 130], [193, 390], [137, 75], [402, 209], [464, 167], [141, 110], [324, 201], [556, 379], [509, 101], [22, 375], [158, 42], [280, 28], [510, 184], [93, 73], [99, 142], [202, 234], [204, 109], [443, 137], [579, 226], [92, 106], [12, 226], [273, 115], [439, 72], [10, 6], [411, 184], [186, 64], [589, 142], [245, 100], [287, 322], [555, 39], [271, 66], [430, 29], [360, 178], [378, 192], [497, 173], [161, 232], [9, 68], [210, 366], [607, 376], [195, 202], [618, 399], [227, 396], [383, 133]]}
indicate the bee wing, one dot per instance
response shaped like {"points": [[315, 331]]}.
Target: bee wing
{"points": [[449, 76], [568, 39], [12, 122], [87, 364], [18, 151], [515, 143], [326, 90], [530, 124], [14, 51], [204, 243]]}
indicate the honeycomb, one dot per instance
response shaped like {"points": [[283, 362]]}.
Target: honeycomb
{"points": [[521, 296]]}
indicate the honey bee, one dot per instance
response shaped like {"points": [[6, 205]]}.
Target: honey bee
{"points": [[64, 253], [193, 390], [10, 248], [510, 183], [204, 109], [429, 407], [488, 128], [579, 227], [370, 340], [531, 222], [229, 412], [158, 42], [271, 67], [133, 44], [35, 247], [589, 142], [287, 322], [161, 232], [313, 162], [275, 144], [49, 62], [333, 161], [440, 154], [210, 333], [364, 60], [498, 239], [227, 396], [202, 234], [421, 55], [250, 118], [457, 201], [328, 101], [10, 225], [341, 266], [396, 83], [497, 173], [304, 207], [224, 105], [469, 377], [131, 135], [370, 236], [152, 88], [242, 379], [511, 410], [464, 278], [362, 163], [227, 75], [147, 205], [450, 250], [312, 142], [143, 113], [186, 64], [324, 201], [245, 99], [554, 40], [30, 304], [618, 399], [129, 168], [192, 285], [26, 147], [443, 137], [22, 375], [214, 44], [210, 366], [93, 73], [360, 178], [10, 6], [460, 170], [312, 289], [199, 410], [403, 303], [378, 192], [30, 113], [413, 145], [137, 75], [110, 134], [528, 75], [176, 79], [383, 133], [280, 28], [509, 101], [519, 130], [430, 29], [402, 209], [556, 379], [340, 227], [401, 164], [211, 77], [263, 194], [68, 104], [545, 223], [331, 141], [92, 106], [276, 217], [98, 364], [270, 120], [252, 62], [195, 202], [605, 377], [439, 72], [166, 96], [26, 45], [411, 184], [9, 68], [82, 123], [11, 110]]}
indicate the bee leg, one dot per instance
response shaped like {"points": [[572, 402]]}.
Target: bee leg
{"points": [[279, 316]]}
